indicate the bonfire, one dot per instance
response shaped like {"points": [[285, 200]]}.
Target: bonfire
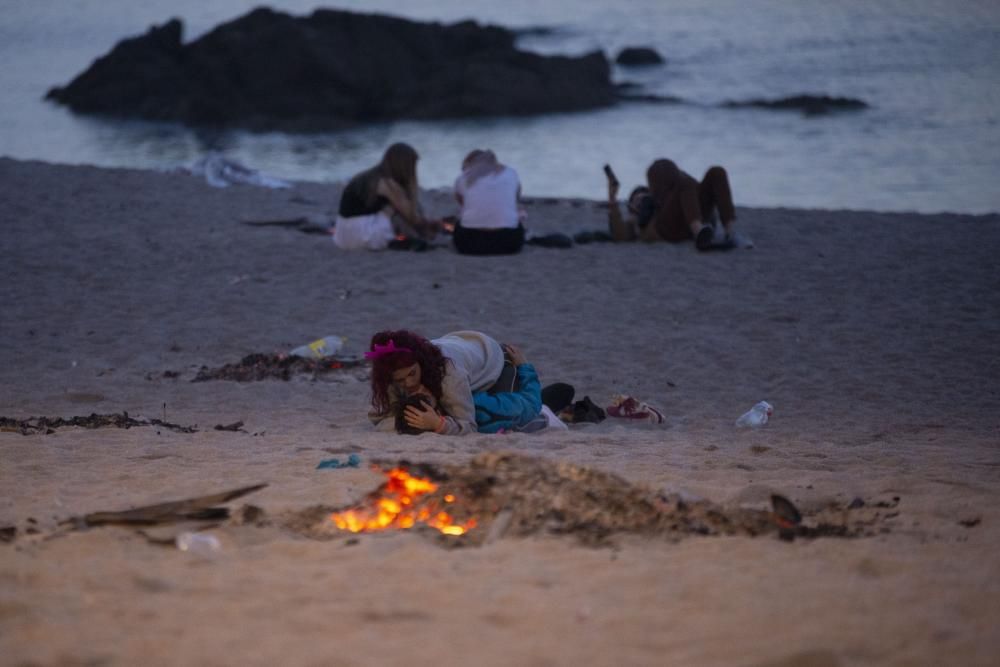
{"points": [[504, 494]]}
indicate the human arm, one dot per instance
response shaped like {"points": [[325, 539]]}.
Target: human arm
{"points": [[401, 202], [456, 414], [514, 353], [398, 199], [619, 228], [420, 415]]}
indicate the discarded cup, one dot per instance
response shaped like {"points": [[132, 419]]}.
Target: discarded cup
{"points": [[198, 543], [756, 416], [324, 347]]}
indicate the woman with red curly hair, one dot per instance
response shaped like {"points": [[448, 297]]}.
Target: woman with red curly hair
{"points": [[447, 369]]}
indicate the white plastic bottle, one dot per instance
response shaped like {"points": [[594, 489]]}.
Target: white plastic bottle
{"points": [[756, 416], [324, 347], [202, 544]]}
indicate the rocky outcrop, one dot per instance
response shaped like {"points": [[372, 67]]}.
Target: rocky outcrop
{"points": [[639, 55], [808, 104], [270, 70]]}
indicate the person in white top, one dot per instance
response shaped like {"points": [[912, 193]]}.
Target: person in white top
{"points": [[488, 192]]}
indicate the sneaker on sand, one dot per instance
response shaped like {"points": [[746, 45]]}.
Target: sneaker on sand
{"points": [[626, 407], [704, 239], [583, 410]]}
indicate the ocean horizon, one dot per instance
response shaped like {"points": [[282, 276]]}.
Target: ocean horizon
{"points": [[928, 69]]}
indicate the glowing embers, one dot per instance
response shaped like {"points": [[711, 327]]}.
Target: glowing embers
{"points": [[404, 501]]}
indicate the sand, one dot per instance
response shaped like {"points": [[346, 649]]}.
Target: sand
{"points": [[873, 335]]}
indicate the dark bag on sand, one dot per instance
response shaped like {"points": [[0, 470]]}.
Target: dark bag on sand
{"points": [[551, 241], [416, 400], [586, 411], [599, 236], [407, 243]]}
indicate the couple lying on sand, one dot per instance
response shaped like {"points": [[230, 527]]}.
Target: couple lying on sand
{"points": [[463, 382], [379, 207]]}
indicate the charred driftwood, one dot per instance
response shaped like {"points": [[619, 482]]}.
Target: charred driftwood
{"points": [[199, 508], [33, 425]]}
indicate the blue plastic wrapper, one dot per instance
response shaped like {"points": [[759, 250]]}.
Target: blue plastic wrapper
{"points": [[353, 461]]}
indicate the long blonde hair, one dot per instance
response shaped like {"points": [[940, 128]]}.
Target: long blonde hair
{"points": [[399, 162]]}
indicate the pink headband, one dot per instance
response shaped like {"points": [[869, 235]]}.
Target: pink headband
{"points": [[382, 350]]}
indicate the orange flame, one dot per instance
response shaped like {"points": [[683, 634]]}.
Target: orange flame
{"points": [[397, 507]]}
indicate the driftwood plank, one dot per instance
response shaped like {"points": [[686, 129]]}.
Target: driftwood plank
{"points": [[198, 508]]}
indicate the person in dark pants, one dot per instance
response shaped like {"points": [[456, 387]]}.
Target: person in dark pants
{"points": [[488, 192], [674, 207]]}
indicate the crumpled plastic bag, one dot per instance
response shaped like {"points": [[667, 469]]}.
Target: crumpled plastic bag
{"points": [[220, 172], [353, 461]]}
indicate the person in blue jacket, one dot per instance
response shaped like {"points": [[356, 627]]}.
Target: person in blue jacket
{"points": [[516, 410]]}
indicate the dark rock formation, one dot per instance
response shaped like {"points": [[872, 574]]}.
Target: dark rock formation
{"points": [[270, 70], [639, 55], [810, 105]]}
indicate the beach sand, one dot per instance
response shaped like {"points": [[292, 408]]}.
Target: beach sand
{"points": [[873, 335]]}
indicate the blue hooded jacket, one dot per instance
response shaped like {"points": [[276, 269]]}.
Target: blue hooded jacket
{"points": [[510, 410]]}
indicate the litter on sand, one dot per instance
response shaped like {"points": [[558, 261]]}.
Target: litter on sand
{"points": [[353, 461]]}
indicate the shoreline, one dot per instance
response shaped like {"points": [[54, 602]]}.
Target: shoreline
{"points": [[444, 192], [872, 334]]}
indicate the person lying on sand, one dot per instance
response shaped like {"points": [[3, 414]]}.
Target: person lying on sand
{"points": [[449, 369], [380, 204], [673, 206]]}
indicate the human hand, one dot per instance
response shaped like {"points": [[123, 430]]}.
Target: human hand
{"points": [[516, 356], [426, 419], [429, 228], [612, 183]]}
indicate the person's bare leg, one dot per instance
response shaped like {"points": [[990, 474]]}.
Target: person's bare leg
{"points": [[714, 192]]}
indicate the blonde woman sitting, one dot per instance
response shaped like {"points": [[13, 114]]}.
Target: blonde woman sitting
{"points": [[380, 205]]}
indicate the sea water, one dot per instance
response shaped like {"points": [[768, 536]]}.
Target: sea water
{"points": [[929, 69]]}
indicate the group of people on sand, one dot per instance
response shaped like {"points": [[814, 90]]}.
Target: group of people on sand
{"points": [[466, 381], [380, 208]]}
